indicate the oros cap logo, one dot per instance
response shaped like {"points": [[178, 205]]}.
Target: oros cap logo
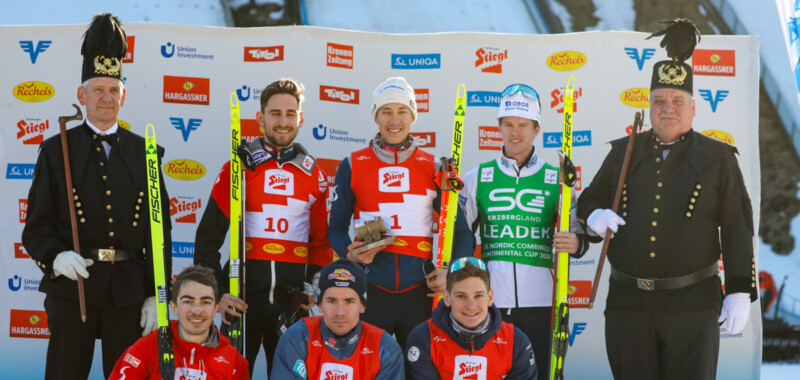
{"points": [[184, 169], [342, 274], [33, 91], [719, 135], [566, 60], [637, 97]]}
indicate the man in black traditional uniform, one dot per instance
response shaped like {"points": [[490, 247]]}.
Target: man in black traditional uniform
{"points": [[110, 194], [683, 203]]}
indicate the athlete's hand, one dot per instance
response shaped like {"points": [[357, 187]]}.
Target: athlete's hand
{"points": [[436, 282], [565, 242], [365, 257], [226, 305]]}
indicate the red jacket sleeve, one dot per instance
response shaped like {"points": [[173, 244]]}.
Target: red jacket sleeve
{"points": [[242, 369], [221, 192], [319, 248], [139, 361]]}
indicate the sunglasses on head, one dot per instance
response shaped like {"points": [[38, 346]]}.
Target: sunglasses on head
{"points": [[460, 263], [521, 89]]}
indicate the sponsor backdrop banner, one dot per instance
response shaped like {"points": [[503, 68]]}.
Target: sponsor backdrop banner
{"points": [[179, 78]]}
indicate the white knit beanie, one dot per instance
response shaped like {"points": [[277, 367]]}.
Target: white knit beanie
{"points": [[394, 90]]}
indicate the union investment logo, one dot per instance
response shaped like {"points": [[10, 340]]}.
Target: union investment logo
{"points": [[33, 51]]}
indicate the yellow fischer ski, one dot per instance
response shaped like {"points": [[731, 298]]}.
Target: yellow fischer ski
{"points": [[236, 331]]}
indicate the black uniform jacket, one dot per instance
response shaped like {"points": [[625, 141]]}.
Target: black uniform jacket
{"points": [[681, 213], [111, 203]]}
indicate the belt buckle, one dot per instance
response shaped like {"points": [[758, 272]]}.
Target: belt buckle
{"points": [[645, 284], [106, 255]]}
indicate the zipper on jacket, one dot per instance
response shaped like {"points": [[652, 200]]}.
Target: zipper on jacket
{"points": [[516, 290], [272, 285]]}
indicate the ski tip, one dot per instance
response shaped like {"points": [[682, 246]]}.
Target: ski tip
{"points": [[150, 131], [570, 83], [234, 99], [461, 87]]}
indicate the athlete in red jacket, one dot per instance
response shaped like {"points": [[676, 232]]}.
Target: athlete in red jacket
{"points": [[201, 351]]}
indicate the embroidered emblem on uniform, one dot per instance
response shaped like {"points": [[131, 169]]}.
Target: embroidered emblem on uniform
{"points": [[134, 361], [550, 176], [221, 359], [362, 158], [300, 368], [487, 174], [106, 66], [671, 74], [316, 343], [308, 162], [413, 354], [366, 351]]}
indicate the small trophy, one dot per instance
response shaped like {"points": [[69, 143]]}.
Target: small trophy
{"points": [[371, 233]]}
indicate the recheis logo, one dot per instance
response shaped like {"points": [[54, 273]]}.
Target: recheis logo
{"points": [[338, 94], [646, 54], [483, 98], [169, 50], [321, 132], [250, 130], [416, 61], [20, 171], [579, 293], [714, 62], [637, 97], [31, 131], [579, 138], [187, 90], [489, 138], [129, 51], [557, 99], [279, 182], [185, 127], [184, 209], [34, 50], [393, 179], [25, 284], [20, 252], [719, 135], [490, 60], [33, 91], [182, 249], [339, 56], [566, 60], [23, 210], [184, 169], [425, 139], [263, 53], [421, 96], [28, 324], [713, 98]]}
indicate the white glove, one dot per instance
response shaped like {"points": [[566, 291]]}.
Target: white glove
{"points": [[604, 219], [70, 264], [736, 308], [149, 320]]}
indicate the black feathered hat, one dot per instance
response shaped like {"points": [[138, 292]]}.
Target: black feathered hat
{"points": [[104, 46], [680, 38]]}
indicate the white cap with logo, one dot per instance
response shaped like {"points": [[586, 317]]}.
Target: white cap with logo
{"points": [[394, 90], [519, 105]]}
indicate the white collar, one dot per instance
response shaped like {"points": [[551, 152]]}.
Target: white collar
{"points": [[111, 130]]}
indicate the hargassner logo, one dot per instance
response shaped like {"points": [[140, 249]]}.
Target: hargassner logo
{"points": [[185, 127], [34, 49], [263, 53], [28, 324], [416, 61], [714, 62], [170, 50], [187, 90], [713, 98], [483, 98], [579, 138], [646, 54]]}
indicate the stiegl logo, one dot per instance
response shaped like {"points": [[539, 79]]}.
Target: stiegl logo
{"points": [[393, 179], [490, 60], [279, 182], [32, 130], [557, 99], [184, 209]]}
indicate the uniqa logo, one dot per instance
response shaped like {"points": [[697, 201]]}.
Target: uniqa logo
{"points": [[33, 91], [719, 135], [636, 97], [566, 60], [184, 169]]}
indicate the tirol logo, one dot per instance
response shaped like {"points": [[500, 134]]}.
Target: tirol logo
{"points": [[489, 138], [31, 131], [425, 139], [33, 91], [250, 130], [713, 98], [182, 249], [579, 138], [129, 51], [184, 209], [263, 53], [185, 127], [322, 131], [338, 94], [637, 97], [646, 54], [339, 56], [557, 99], [719, 135], [169, 50], [280, 182], [20, 171], [470, 367], [20, 252], [483, 98], [714, 62], [393, 179], [422, 97], [186, 90], [579, 292], [23, 210], [184, 169], [416, 61], [28, 324], [34, 49], [566, 60], [490, 60]]}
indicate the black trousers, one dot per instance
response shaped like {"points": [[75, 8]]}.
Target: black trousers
{"points": [[662, 345], [71, 346], [398, 313], [535, 323]]}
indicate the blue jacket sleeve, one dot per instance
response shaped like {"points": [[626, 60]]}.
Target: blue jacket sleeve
{"points": [[523, 365], [419, 365], [343, 202], [463, 239], [290, 355], [391, 359]]}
